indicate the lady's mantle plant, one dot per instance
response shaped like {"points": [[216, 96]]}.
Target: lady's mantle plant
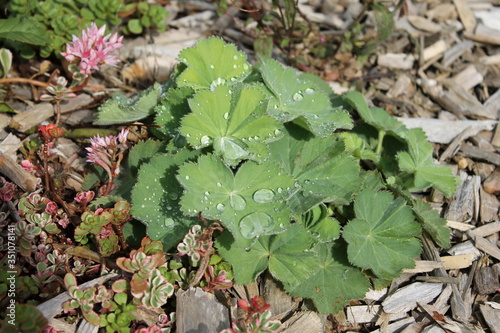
{"points": [[312, 186]]}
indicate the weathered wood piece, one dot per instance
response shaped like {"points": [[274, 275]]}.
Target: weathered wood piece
{"points": [[486, 246], [466, 247], [406, 298], [462, 206], [304, 321], [396, 60], [86, 327], [280, 301], [459, 225], [477, 153], [433, 127], [396, 326], [455, 52], [360, 314], [486, 281], [434, 50], [457, 262], [491, 316], [486, 230], [77, 103], [16, 173], [200, 312], [468, 78], [32, 116], [466, 15], [492, 183]]}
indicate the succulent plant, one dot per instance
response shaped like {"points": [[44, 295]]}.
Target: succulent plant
{"points": [[256, 320], [83, 299], [26, 318], [193, 246]]}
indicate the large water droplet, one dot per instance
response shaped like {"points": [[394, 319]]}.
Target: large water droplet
{"points": [[255, 224], [277, 132], [226, 115], [207, 193], [221, 207], [263, 195], [298, 97], [219, 185], [309, 91], [187, 177], [205, 140], [237, 202]]}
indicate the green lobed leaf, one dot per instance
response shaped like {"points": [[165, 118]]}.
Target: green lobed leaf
{"points": [[233, 119], [141, 153], [120, 109], [322, 226], [382, 236], [325, 172], [297, 97], [286, 255], [23, 30], [250, 203], [334, 282], [377, 117], [155, 199], [418, 160], [170, 110], [212, 62], [432, 223]]}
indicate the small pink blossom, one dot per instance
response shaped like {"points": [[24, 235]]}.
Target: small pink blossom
{"points": [[83, 198], [108, 152], [93, 49], [27, 165]]}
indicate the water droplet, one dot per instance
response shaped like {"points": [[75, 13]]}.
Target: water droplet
{"points": [[309, 91], [237, 202], [235, 66], [282, 225], [219, 185], [277, 132], [235, 57], [298, 97], [220, 207], [280, 190], [245, 66], [247, 249], [187, 177], [264, 195], [294, 263], [255, 224], [173, 196], [207, 193], [212, 66], [307, 181], [205, 140], [226, 115], [256, 137]]}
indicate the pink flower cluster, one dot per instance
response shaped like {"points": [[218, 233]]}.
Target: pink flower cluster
{"points": [[108, 152], [93, 49]]}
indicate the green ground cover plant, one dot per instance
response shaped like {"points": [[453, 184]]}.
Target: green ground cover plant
{"points": [[307, 184]]}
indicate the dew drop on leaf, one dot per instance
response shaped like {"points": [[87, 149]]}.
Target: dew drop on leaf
{"points": [[220, 207], [255, 224], [187, 177], [207, 193], [280, 190], [205, 140], [298, 97], [219, 185], [264, 195], [237, 202], [173, 196], [309, 91], [277, 132], [226, 115]]}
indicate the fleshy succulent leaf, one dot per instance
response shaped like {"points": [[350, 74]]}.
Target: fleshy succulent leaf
{"points": [[233, 119], [296, 96], [250, 203], [212, 62], [330, 296], [382, 236], [286, 255]]}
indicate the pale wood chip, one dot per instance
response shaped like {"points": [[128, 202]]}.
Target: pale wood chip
{"points": [[304, 321], [406, 298], [466, 247], [491, 316], [466, 16], [199, 311], [361, 314], [457, 262], [33, 116], [468, 78], [434, 50], [459, 225], [396, 326]]}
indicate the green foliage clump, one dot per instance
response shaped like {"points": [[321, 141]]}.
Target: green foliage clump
{"points": [[53, 22], [302, 189]]}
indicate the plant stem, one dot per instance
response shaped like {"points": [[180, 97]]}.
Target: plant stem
{"points": [[58, 111], [23, 80], [381, 135]]}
